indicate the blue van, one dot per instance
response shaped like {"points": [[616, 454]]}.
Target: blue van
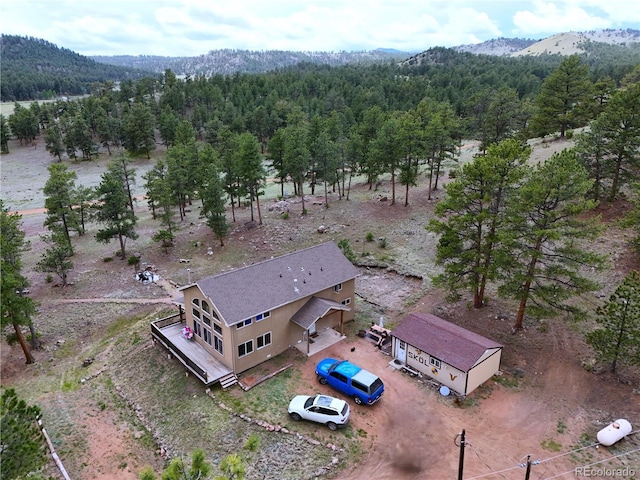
{"points": [[363, 386]]}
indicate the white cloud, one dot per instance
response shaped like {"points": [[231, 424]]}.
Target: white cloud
{"points": [[556, 17], [193, 27]]}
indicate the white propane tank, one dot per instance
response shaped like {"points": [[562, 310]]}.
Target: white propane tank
{"points": [[613, 432]]}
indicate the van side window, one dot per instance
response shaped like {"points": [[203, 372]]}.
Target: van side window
{"points": [[339, 376], [359, 386]]}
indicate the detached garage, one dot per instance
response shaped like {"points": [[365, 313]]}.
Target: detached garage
{"points": [[453, 356]]}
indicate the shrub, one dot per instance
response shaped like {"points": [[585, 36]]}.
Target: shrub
{"points": [[107, 259], [369, 237]]}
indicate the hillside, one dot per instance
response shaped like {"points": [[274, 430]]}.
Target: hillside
{"points": [[566, 43], [577, 42], [229, 61], [36, 69]]}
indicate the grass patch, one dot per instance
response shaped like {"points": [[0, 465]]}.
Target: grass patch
{"points": [[561, 427], [551, 445], [508, 381]]}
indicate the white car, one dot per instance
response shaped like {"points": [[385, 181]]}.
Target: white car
{"points": [[330, 411]]}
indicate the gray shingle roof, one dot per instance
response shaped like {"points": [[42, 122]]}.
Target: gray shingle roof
{"points": [[245, 292], [443, 340], [315, 309]]}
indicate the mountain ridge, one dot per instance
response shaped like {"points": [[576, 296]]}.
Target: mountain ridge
{"points": [[230, 61]]}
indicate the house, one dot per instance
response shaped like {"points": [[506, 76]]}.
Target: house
{"points": [[235, 320], [458, 358]]}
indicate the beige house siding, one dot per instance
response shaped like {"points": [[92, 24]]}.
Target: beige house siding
{"points": [[487, 366], [283, 332], [445, 374]]}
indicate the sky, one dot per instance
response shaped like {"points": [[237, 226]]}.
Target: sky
{"points": [[188, 28]]}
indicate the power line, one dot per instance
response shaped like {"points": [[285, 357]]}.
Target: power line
{"points": [[537, 462], [594, 463]]}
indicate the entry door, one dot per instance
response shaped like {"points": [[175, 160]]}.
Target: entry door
{"points": [[401, 351]]}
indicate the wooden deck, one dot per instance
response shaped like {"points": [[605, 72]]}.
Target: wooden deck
{"points": [[205, 366]]}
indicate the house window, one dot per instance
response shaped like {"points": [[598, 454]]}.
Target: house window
{"points": [[262, 316], [434, 361], [346, 301], [195, 312], [207, 335], [263, 340], [217, 328], [245, 348], [217, 344], [197, 328], [205, 306], [244, 323], [196, 302], [206, 319], [337, 288]]}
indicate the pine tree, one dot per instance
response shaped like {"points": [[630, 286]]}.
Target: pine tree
{"points": [[618, 337], [213, 203], [5, 135], [542, 239], [112, 210], [56, 257], [23, 444], [473, 212], [59, 196], [16, 308], [565, 100]]}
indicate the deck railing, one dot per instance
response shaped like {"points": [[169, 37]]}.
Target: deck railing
{"points": [[156, 332]]}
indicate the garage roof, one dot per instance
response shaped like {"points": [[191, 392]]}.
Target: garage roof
{"points": [[443, 340]]}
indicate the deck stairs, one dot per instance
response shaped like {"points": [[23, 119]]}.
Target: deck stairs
{"points": [[228, 380]]}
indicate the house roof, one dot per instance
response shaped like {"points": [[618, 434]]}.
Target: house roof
{"points": [[443, 340], [264, 286], [315, 309]]}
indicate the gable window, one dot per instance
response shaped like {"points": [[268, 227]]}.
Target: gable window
{"points": [[244, 323], [337, 288], [197, 328], [196, 302], [207, 335], [206, 319], [245, 348], [434, 362], [263, 340], [346, 301], [205, 306], [195, 312], [217, 328], [262, 316]]}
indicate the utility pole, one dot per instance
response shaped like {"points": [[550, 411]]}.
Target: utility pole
{"points": [[526, 475], [461, 462]]}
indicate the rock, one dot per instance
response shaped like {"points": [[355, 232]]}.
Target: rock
{"points": [[322, 229]]}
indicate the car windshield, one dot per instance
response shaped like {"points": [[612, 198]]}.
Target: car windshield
{"points": [[345, 409], [309, 402], [334, 365]]}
